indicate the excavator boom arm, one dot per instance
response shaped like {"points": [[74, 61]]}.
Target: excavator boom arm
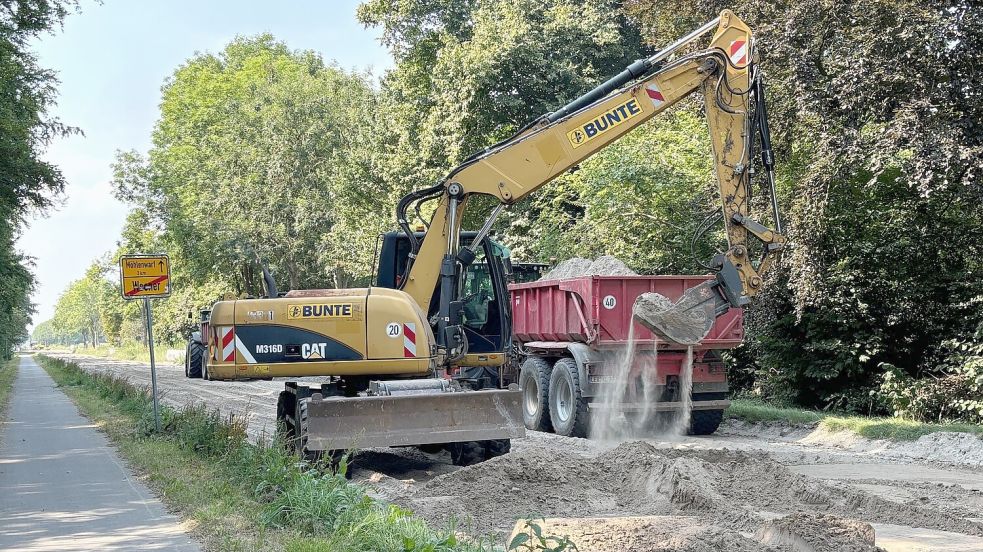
{"points": [[724, 72]]}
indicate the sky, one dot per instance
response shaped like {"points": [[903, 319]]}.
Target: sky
{"points": [[111, 60]]}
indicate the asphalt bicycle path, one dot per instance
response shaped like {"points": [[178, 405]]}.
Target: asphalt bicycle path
{"points": [[64, 488]]}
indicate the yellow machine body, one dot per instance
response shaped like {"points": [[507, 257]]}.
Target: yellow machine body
{"points": [[350, 332]]}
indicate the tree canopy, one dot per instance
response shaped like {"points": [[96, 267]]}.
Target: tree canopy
{"points": [[27, 182]]}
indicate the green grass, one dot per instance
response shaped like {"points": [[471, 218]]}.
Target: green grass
{"points": [[893, 428], [753, 410], [238, 495], [8, 371]]}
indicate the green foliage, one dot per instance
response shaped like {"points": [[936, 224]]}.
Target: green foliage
{"points": [[954, 393], [753, 410], [880, 177], [259, 152], [470, 74], [27, 183], [8, 372], [654, 186], [872, 427]]}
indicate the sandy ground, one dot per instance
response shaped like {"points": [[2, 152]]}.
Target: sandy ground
{"points": [[759, 487]]}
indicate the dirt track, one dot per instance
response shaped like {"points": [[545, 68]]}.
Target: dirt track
{"points": [[738, 488]]}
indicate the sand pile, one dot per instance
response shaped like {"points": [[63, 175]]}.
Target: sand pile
{"points": [[578, 266], [734, 491], [819, 533], [647, 534]]}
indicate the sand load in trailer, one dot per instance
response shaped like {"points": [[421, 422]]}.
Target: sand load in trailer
{"points": [[577, 334]]}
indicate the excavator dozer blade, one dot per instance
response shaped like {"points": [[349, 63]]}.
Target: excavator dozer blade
{"points": [[414, 419]]}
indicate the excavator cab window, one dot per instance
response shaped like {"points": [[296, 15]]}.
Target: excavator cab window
{"points": [[483, 291], [483, 288]]}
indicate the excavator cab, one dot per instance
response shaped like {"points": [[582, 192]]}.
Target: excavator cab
{"points": [[483, 289]]}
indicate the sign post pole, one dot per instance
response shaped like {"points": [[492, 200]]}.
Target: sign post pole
{"points": [[147, 277], [153, 366]]}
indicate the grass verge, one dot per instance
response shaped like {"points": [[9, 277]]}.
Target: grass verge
{"points": [[752, 410], [128, 351], [241, 496], [8, 371]]}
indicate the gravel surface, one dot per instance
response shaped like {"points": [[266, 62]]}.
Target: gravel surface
{"points": [[738, 487]]}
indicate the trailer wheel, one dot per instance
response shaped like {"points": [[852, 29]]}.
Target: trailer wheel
{"points": [[466, 453], [497, 447], [568, 407], [194, 359], [534, 379], [705, 422]]}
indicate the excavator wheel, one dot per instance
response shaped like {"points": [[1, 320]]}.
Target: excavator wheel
{"points": [[497, 447], [466, 453], [194, 358], [285, 406], [328, 459], [705, 422]]}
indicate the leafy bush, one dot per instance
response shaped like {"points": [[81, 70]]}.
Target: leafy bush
{"points": [[954, 395]]}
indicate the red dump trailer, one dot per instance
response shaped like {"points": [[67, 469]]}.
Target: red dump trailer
{"points": [[574, 333]]}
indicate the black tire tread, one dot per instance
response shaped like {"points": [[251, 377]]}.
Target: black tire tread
{"points": [[543, 368], [581, 416], [467, 453], [705, 422], [497, 447], [195, 359]]}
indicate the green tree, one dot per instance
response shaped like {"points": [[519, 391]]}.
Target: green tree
{"points": [[77, 310], [469, 74], [259, 152], [876, 111], [26, 181]]}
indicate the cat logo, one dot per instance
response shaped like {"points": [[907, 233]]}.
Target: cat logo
{"points": [[313, 351], [577, 137], [331, 310]]}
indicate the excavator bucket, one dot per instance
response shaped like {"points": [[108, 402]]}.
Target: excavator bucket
{"points": [[414, 418], [687, 321]]}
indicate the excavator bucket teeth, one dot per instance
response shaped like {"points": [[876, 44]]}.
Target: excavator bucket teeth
{"points": [[687, 321], [414, 419]]}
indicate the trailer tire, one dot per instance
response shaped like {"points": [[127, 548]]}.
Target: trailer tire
{"points": [[705, 422], [194, 359], [534, 380], [466, 453], [497, 447], [568, 407]]}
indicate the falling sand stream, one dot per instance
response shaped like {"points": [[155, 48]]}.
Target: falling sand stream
{"points": [[625, 412]]}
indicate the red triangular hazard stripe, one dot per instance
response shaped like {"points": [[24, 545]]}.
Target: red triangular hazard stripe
{"points": [[655, 94]]}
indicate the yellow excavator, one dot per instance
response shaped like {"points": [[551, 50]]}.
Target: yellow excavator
{"points": [[393, 357]]}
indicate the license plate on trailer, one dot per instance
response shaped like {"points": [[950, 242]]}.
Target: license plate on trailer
{"points": [[602, 378]]}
